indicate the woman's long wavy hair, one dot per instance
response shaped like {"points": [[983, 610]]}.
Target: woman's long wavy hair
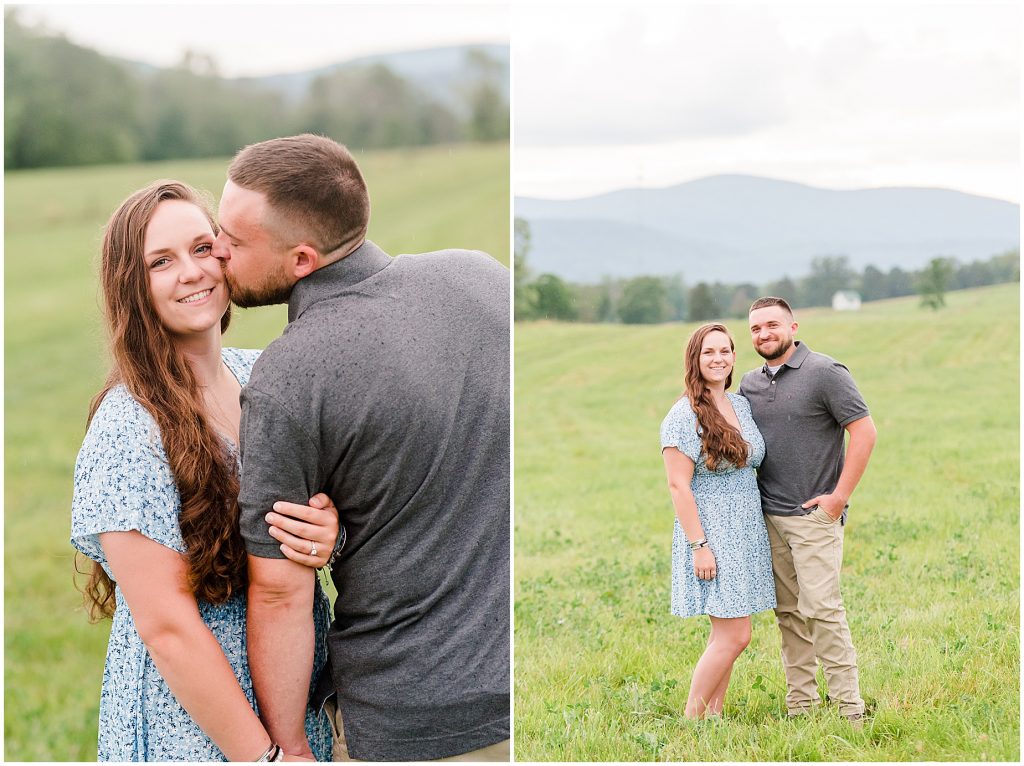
{"points": [[146, 361], [722, 442]]}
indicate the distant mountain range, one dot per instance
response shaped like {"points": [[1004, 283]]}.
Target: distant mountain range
{"points": [[736, 228], [441, 72]]}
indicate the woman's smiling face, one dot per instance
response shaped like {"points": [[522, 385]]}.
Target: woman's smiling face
{"points": [[186, 285], [716, 357]]}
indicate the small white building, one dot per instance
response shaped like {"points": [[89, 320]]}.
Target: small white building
{"points": [[846, 300]]}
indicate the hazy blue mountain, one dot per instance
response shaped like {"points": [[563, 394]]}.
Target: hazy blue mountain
{"points": [[736, 228], [615, 249], [441, 72]]}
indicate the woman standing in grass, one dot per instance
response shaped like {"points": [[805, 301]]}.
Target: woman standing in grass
{"points": [[154, 504], [721, 560]]}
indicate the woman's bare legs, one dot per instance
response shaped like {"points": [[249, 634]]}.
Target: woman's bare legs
{"points": [[729, 637]]}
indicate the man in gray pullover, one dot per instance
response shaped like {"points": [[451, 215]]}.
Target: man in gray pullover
{"points": [[804, 404], [389, 391]]}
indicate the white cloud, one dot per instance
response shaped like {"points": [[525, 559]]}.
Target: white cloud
{"points": [[836, 95], [612, 75]]}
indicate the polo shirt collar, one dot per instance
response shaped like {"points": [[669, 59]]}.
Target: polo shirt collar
{"points": [[795, 360], [333, 279]]}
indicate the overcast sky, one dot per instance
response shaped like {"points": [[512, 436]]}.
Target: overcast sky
{"points": [[248, 39], [832, 94], [840, 96]]}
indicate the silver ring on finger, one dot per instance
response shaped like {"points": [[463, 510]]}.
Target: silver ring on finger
{"points": [[312, 547]]}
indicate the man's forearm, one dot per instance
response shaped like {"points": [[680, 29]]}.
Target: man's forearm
{"points": [[862, 442], [280, 644]]}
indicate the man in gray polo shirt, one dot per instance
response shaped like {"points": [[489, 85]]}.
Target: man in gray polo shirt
{"points": [[803, 403], [388, 391]]}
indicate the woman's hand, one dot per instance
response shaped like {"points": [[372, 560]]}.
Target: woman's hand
{"points": [[154, 581], [704, 564], [305, 529]]}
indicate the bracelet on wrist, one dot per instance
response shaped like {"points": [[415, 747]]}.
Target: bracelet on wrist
{"points": [[272, 754], [695, 544], [338, 545], [265, 754]]}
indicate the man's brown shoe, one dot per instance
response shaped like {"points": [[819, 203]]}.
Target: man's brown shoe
{"points": [[856, 720]]}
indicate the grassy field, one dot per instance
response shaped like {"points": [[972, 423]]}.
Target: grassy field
{"points": [[55, 361], [931, 569]]}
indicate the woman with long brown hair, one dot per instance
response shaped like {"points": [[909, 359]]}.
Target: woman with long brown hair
{"points": [[721, 559], [156, 484]]}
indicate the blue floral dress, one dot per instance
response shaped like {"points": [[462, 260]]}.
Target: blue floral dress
{"points": [[122, 483], [729, 507]]}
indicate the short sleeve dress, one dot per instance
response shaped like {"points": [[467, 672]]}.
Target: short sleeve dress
{"points": [[729, 507], [123, 482]]}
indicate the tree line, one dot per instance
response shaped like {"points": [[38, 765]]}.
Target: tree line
{"points": [[70, 105], [650, 299]]}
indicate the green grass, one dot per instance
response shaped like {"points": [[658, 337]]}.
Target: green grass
{"points": [[55, 361], [931, 568]]}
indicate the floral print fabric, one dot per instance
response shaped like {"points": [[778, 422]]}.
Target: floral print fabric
{"points": [[122, 483], [729, 507]]}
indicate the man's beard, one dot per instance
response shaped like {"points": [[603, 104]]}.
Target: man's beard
{"points": [[274, 288], [784, 346]]}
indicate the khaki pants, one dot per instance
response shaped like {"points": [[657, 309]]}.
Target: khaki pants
{"points": [[807, 554], [499, 751]]}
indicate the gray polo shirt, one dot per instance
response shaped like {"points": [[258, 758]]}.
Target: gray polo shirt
{"points": [[389, 391], [801, 412]]}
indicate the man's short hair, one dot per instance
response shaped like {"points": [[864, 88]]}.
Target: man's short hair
{"points": [[771, 300], [314, 189]]}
